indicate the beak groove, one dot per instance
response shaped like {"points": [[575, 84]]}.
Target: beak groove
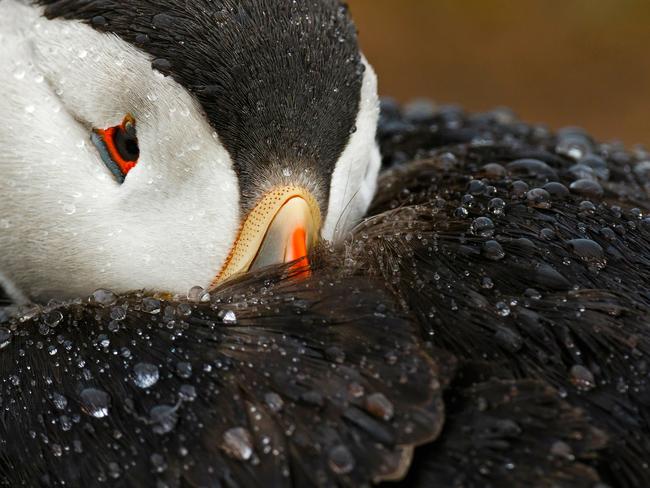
{"points": [[281, 228]]}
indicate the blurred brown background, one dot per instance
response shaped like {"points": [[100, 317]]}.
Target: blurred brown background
{"points": [[560, 62]]}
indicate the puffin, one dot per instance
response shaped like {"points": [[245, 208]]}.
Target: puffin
{"points": [[178, 145], [224, 263]]}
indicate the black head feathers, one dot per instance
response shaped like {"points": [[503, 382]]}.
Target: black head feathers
{"points": [[280, 81]]}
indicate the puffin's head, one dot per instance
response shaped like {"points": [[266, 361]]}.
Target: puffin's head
{"points": [[162, 144]]}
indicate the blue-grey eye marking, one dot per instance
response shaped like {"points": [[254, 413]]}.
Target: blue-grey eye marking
{"points": [[99, 143]]}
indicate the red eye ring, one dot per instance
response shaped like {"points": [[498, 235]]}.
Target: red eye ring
{"points": [[118, 147]]}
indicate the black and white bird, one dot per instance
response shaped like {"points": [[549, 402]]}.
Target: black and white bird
{"points": [[162, 144], [479, 318]]}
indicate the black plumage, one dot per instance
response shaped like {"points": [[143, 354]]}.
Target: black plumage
{"points": [[254, 385], [554, 286], [514, 349], [509, 433]]}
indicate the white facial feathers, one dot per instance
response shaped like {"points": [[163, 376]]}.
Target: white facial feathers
{"points": [[70, 227], [355, 177]]}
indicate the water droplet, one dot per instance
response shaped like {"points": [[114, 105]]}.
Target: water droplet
{"points": [[99, 21], [341, 460], [580, 171], [573, 143], [608, 234], [487, 283], [493, 250], [145, 375], [538, 198], [197, 295], [532, 167], [561, 449], [187, 393], [65, 423], [494, 171], [496, 206], [642, 170], [556, 190], [162, 21], [519, 188], [587, 208], [104, 297], [476, 187], [161, 64], [163, 418], [158, 462], [313, 398], [483, 227], [118, 313], [57, 450], [228, 317], [5, 338], [509, 339], [547, 234], [503, 309], [586, 249], [335, 354], [60, 402], [103, 340], [468, 200], [533, 293], [114, 470], [151, 305], [238, 443], [141, 39], [77, 446], [274, 401], [391, 358], [95, 402], [184, 369], [582, 378], [379, 406], [53, 318], [587, 188]]}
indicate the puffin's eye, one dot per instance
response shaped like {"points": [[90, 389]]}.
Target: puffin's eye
{"points": [[118, 147]]}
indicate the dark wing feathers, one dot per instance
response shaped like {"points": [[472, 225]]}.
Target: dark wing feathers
{"points": [[509, 433], [553, 287], [292, 393]]}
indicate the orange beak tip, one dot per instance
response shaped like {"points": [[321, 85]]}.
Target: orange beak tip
{"points": [[297, 251], [297, 246]]}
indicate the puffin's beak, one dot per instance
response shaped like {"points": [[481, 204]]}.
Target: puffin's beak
{"points": [[281, 228]]}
